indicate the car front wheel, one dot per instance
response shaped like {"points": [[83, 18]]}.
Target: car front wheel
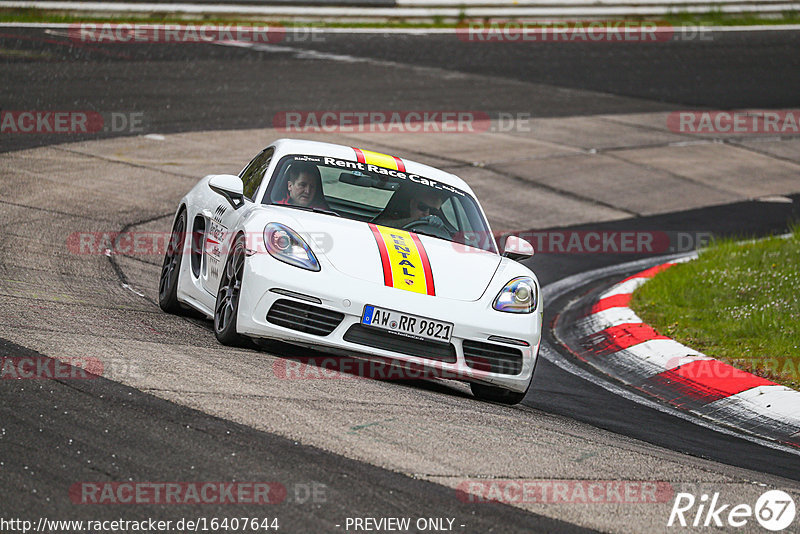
{"points": [[168, 283], [230, 289]]}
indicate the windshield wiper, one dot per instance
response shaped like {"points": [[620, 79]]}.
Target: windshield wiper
{"points": [[309, 208]]}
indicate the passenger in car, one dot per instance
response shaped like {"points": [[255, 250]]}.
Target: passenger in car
{"points": [[406, 207]]}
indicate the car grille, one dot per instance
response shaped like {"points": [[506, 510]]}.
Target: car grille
{"points": [[492, 358], [372, 337], [304, 317]]}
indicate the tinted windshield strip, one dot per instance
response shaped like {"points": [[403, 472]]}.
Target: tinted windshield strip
{"points": [[411, 177]]}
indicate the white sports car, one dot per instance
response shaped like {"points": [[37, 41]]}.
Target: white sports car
{"points": [[359, 253]]}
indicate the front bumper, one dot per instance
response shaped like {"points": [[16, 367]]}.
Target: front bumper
{"points": [[476, 321]]}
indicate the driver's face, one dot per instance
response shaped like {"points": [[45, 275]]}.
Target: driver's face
{"points": [[424, 206], [302, 190]]}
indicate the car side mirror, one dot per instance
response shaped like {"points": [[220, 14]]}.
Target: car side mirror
{"points": [[230, 187], [517, 248]]}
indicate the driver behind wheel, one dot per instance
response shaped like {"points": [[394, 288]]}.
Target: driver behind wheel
{"points": [[304, 187], [426, 205]]}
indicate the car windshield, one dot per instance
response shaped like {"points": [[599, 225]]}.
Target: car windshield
{"points": [[379, 195]]}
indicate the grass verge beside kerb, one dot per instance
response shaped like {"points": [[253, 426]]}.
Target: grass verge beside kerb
{"points": [[739, 302]]}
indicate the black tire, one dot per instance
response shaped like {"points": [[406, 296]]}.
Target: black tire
{"points": [[170, 269], [227, 305], [498, 395]]}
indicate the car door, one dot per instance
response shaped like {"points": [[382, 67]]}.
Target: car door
{"points": [[221, 217]]}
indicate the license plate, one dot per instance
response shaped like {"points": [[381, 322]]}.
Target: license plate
{"points": [[407, 325]]}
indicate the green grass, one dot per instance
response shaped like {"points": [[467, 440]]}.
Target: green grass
{"points": [[715, 18], [739, 302], [676, 19]]}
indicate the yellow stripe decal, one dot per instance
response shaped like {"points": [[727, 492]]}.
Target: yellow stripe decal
{"points": [[408, 264], [380, 160]]}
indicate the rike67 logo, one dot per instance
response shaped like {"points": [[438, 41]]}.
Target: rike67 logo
{"points": [[774, 510]]}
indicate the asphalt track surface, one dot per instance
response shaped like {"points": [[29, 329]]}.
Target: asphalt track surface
{"points": [[194, 87], [209, 87]]}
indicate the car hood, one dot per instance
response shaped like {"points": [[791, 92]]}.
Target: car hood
{"points": [[354, 248]]}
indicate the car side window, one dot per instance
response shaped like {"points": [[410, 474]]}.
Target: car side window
{"points": [[253, 174]]}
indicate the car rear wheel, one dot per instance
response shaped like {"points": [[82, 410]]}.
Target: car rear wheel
{"points": [[496, 394], [227, 305], [168, 283]]}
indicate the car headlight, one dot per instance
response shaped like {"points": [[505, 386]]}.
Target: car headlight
{"points": [[518, 296], [286, 245]]}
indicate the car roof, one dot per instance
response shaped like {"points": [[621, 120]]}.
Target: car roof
{"points": [[315, 148]]}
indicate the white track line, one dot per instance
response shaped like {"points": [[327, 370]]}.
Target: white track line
{"points": [[611, 317], [777, 400], [624, 288], [666, 354]]}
